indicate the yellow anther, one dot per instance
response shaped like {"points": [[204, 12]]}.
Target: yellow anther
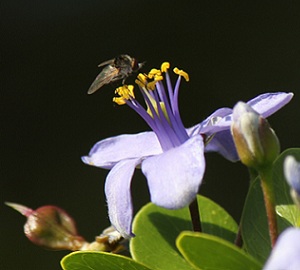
{"points": [[182, 73], [151, 85], [119, 100], [130, 91], [158, 78], [164, 66], [154, 72], [125, 92], [142, 77], [140, 83]]}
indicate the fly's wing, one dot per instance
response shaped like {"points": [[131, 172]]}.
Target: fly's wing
{"points": [[108, 62], [107, 75]]}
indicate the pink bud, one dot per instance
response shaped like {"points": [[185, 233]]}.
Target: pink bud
{"points": [[50, 227]]}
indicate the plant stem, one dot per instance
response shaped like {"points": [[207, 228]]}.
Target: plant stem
{"points": [[238, 239], [195, 216], [269, 198]]}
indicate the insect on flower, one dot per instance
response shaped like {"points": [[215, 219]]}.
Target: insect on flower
{"points": [[115, 69]]}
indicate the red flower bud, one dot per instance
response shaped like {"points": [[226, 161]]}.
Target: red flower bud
{"points": [[50, 227]]}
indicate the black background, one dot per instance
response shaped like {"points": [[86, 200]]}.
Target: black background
{"points": [[233, 50]]}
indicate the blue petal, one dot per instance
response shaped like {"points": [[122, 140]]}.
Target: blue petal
{"points": [[286, 253], [223, 144], [108, 152], [265, 104], [209, 125], [117, 190], [174, 177], [269, 103]]}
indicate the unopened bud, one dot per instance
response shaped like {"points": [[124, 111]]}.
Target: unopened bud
{"points": [[256, 142], [291, 169], [50, 227]]}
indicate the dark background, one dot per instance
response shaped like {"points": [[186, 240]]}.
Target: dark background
{"points": [[233, 50]]}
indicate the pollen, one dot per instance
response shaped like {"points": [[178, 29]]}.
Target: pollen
{"points": [[140, 83], [154, 73], [142, 77], [119, 100], [181, 73], [164, 66], [151, 85], [125, 93]]}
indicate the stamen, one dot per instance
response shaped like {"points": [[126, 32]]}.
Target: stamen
{"points": [[153, 73], [139, 83], [158, 77], [119, 100], [151, 85], [182, 73], [161, 112], [142, 77], [125, 93], [164, 66]]}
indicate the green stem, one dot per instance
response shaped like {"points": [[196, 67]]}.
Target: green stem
{"points": [[269, 198], [195, 216]]}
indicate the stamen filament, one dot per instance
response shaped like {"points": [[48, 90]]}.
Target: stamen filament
{"points": [[181, 133], [162, 128], [162, 113]]}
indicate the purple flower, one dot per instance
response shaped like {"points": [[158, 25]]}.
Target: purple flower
{"points": [[172, 161], [171, 157], [285, 255]]}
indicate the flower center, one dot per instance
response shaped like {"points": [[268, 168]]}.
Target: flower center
{"points": [[161, 112]]}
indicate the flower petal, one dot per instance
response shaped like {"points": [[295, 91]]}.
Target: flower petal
{"points": [[174, 177], [269, 103], [223, 144], [264, 104], [285, 254], [208, 126], [108, 152], [117, 191]]}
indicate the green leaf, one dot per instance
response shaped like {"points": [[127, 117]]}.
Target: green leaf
{"points": [[215, 220], [93, 260], [207, 252], [254, 222], [290, 213], [156, 230]]}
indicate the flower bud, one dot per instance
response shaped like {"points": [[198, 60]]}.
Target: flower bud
{"points": [[291, 169], [256, 142], [50, 227]]}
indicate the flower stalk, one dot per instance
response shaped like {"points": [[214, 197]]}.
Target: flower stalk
{"points": [[269, 199], [258, 147], [195, 216]]}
